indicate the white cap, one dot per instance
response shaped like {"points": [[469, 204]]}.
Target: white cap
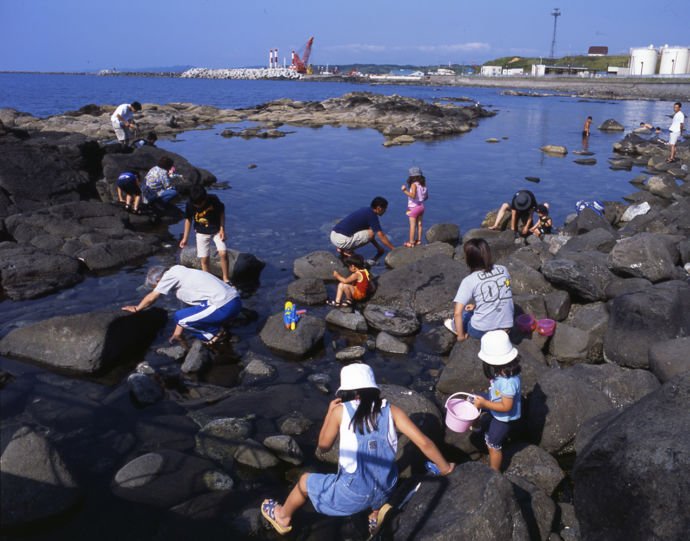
{"points": [[496, 348], [357, 376]]}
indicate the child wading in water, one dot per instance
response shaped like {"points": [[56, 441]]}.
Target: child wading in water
{"points": [[366, 465], [544, 225], [416, 192], [354, 287], [501, 366]]}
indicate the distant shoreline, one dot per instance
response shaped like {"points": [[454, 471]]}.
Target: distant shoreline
{"points": [[593, 88]]}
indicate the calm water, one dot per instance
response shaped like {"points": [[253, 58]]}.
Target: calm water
{"points": [[286, 206]]}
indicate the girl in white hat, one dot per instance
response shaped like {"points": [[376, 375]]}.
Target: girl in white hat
{"points": [[501, 366], [367, 473]]}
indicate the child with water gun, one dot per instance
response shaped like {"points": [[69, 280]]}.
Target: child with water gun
{"points": [[356, 286]]}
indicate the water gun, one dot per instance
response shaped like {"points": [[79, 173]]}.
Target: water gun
{"points": [[291, 315]]}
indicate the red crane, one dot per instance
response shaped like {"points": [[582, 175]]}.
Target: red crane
{"points": [[301, 64]]}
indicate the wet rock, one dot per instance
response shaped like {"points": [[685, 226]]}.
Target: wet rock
{"points": [[586, 161], [319, 265], [353, 321], [63, 409], [438, 340], [351, 353], [395, 321], [306, 337], [443, 232], [251, 453], [197, 357], [640, 458], [285, 448], [639, 319], [643, 256], [307, 291], [532, 464], [559, 404], [219, 439], [538, 509], [166, 432], [492, 140], [36, 483], [670, 358], [403, 255], [389, 344], [162, 478], [622, 386], [242, 266], [295, 424], [258, 369], [494, 514], [84, 343], [611, 125], [144, 390], [173, 352], [558, 150], [399, 140], [27, 272]]}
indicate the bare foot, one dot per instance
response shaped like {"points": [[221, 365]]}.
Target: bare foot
{"points": [[493, 227]]}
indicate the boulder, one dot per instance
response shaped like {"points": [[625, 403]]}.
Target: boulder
{"points": [[307, 291], [390, 344], [144, 390], [641, 458], [306, 337], [557, 305], [532, 464], [348, 320], [219, 439], [669, 358], [524, 280], [593, 318], [639, 319], [611, 125], [438, 340], [251, 453], [285, 448], [242, 266], [635, 210], [538, 509], [619, 286], [84, 343], [166, 432], [643, 256], [351, 353], [163, 478], [436, 512], [600, 240], [36, 483], [557, 150], [663, 186], [403, 255], [463, 371], [27, 272], [622, 386], [569, 344], [319, 265], [197, 357], [583, 274], [395, 321], [444, 232]]}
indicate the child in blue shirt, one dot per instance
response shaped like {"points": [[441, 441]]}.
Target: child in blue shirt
{"points": [[501, 366]]}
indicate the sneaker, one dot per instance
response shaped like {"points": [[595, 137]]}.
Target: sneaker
{"points": [[450, 325]]}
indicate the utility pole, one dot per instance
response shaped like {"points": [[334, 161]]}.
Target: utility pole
{"points": [[555, 13]]}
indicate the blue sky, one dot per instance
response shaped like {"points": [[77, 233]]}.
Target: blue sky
{"points": [[74, 35]]}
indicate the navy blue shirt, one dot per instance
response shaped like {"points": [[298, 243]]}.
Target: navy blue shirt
{"points": [[207, 217], [359, 220]]}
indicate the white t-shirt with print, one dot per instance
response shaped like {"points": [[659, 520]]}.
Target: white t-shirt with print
{"points": [[194, 286], [492, 297]]}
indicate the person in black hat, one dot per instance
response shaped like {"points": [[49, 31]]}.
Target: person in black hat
{"points": [[523, 206]]}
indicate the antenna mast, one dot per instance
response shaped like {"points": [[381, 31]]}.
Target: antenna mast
{"points": [[555, 13]]}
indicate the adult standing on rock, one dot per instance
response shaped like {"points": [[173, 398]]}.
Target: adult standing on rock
{"points": [[676, 128], [361, 227], [123, 121], [523, 206], [213, 302], [484, 301]]}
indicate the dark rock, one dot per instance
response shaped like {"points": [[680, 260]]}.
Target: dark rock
{"points": [[622, 386], [307, 291], [586, 161], [670, 358], [619, 286], [144, 390], [62, 409], [662, 186], [601, 240], [242, 266], [639, 319], [395, 321], [351, 353], [36, 483], [538, 509], [166, 432], [592, 318], [403, 255], [444, 232], [295, 424], [569, 344], [611, 125], [463, 370], [389, 344], [591, 427], [218, 440], [557, 305], [251, 453], [577, 279], [285, 448], [588, 220], [353, 321], [84, 343], [530, 304], [197, 357], [525, 280], [643, 256], [532, 464], [306, 337], [640, 458], [27, 272], [319, 265], [438, 340]]}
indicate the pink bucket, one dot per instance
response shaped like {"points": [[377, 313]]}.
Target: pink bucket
{"points": [[545, 327], [460, 414], [526, 322]]}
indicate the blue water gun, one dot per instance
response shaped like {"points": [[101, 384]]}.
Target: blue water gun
{"points": [[291, 315]]}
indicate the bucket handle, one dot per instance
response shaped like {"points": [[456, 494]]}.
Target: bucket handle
{"points": [[455, 394]]}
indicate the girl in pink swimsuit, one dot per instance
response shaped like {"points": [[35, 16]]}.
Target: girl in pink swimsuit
{"points": [[416, 192]]}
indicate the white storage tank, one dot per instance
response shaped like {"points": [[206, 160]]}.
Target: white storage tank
{"points": [[674, 60], [643, 60]]}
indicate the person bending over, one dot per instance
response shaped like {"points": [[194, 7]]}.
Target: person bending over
{"points": [[361, 227]]}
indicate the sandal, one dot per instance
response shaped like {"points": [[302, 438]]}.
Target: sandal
{"points": [[216, 338], [418, 243], [335, 304], [268, 508], [375, 523], [346, 302], [409, 245]]}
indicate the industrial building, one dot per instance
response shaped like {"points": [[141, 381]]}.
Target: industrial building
{"points": [[663, 61]]}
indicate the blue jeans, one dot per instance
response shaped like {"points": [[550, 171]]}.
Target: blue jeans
{"points": [[467, 325], [167, 195]]}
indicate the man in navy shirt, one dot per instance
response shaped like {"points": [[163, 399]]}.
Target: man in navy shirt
{"points": [[361, 227]]}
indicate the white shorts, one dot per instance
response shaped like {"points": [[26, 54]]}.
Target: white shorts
{"points": [[203, 244], [350, 243], [673, 138], [121, 132]]}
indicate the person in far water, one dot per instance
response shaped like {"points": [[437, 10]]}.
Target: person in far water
{"points": [[585, 132]]}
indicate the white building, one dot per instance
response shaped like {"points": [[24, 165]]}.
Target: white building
{"points": [[512, 71], [491, 71]]}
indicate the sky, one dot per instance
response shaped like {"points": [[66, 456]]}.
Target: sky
{"points": [[86, 35]]}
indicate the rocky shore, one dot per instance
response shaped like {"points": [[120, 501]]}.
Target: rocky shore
{"points": [[604, 398]]}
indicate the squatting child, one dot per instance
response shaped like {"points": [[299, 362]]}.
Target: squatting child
{"points": [[544, 224], [129, 184]]}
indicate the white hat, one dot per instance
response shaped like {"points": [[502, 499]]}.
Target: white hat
{"points": [[496, 348], [357, 376]]}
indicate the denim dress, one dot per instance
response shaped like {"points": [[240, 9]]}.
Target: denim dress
{"points": [[371, 482]]}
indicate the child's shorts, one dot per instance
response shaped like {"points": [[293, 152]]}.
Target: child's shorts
{"points": [[129, 186], [203, 244], [498, 430], [415, 211]]}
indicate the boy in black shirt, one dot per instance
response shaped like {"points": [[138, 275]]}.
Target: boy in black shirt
{"points": [[208, 214]]}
